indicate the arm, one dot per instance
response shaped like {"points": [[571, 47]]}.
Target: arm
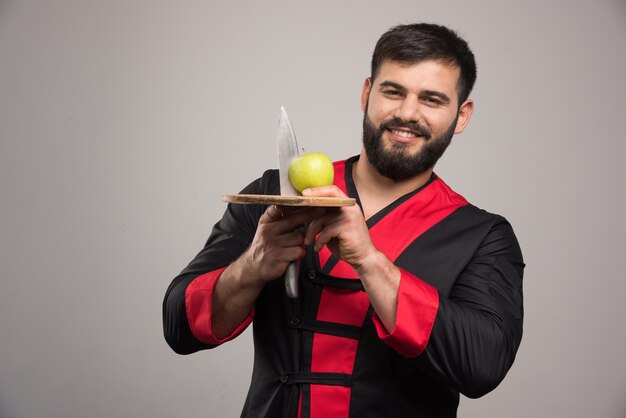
{"points": [[228, 240], [212, 300], [345, 233], [478, 328], [467, 339], [472, 339], [275, 245]]}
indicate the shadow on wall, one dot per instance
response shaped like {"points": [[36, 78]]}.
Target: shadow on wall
{"points": [[4, 409], [5, 8], [621, 6], [620, 409]]}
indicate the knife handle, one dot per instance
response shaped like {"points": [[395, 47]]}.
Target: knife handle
{"points": [[291, 279]]}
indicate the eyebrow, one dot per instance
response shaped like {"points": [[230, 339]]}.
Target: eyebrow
{"points": [[444, 97], [430, 93], [396, 86]]}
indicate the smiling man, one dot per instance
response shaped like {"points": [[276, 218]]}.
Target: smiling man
{"points": [[411, 103], [407, 299]]}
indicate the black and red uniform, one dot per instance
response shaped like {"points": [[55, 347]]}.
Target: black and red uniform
{"points": [[326, 354]]}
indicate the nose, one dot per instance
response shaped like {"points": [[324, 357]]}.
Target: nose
{"points": [[409, 111]]}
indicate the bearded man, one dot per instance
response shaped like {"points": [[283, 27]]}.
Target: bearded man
{"points": [[408, 299]]}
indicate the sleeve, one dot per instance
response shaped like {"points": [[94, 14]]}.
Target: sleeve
{"points": [[199, 309], [188, 300], [469, 339], [415, 315]]}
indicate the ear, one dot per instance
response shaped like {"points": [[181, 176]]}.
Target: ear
{"points": [[465, 113], [365, 94]]}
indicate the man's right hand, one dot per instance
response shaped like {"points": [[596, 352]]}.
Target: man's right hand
{"points": [[279, 240], [275, 244]]}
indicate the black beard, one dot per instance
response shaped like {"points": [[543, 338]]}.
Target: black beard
{"points": [[396, 163]]}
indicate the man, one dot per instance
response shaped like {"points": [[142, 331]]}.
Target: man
{"points": [[407, 299]]}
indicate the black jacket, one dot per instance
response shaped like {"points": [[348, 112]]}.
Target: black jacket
{"points": [[459, 320]]}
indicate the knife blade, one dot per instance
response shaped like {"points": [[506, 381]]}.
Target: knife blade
{"points": [[287, 151]]}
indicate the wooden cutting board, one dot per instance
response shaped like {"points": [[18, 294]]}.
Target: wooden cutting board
{"points": [[258, 199]]}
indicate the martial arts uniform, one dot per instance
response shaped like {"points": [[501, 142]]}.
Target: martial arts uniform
{"points": [[326, 354]]}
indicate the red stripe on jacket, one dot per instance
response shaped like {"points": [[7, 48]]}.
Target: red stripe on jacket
{"points": [[417, 300]]}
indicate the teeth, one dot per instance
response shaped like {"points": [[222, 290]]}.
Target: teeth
{"points": [[404, 134]]}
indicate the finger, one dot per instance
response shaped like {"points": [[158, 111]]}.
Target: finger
{"points": [[297, 219], [314, 228], [272, 214], [288, 210], [275, 213], [291, 239], [324, 191], [289, 254], [326, 234]]}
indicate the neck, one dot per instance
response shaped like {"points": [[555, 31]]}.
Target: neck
{"points": [[377, 191]]}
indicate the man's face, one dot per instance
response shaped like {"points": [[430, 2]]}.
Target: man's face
{"points": [[411, 114]]}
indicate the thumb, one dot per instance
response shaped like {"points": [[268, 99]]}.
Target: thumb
{"points": [[324, 191]]}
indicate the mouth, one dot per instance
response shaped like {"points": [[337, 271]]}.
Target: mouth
{"points": [[404, 135]]}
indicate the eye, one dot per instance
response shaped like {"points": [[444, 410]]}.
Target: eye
{"points": [[432, 101], [392, 93]]}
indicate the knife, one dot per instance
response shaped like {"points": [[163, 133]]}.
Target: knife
{"points": [[287, 151]]}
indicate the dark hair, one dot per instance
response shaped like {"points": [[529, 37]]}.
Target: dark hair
{"points": [[419, 42]]}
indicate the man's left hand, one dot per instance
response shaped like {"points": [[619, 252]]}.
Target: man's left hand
{"points": [[345, 233], [343, 230]]}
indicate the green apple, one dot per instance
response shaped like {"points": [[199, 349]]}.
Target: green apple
{"points": [[311, 170]]}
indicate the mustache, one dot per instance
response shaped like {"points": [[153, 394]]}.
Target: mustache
{"points": [[413, 126]]}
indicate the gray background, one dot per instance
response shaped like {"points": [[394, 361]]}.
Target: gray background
{"points": [[122, 123]]}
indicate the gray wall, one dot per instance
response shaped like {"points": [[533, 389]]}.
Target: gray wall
{"points": [[122, 123]]}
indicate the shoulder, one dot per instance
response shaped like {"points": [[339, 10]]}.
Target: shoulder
{"points": [[268, 183], [495, 232], [499, 238], [467, 211]]}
